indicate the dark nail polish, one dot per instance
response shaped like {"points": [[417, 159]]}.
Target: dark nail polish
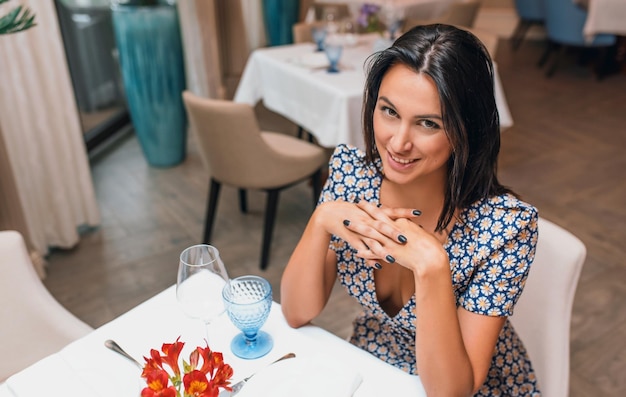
{"points": [[379, 205], [377, 266], [417, 212], [390, 259], [346, 222], [401, 238]]}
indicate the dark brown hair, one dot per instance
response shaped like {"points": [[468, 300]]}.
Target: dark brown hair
{"points": [[462, 70]]}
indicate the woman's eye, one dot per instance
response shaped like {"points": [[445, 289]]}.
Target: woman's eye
{"points": [[388, 111], [428, 124]]}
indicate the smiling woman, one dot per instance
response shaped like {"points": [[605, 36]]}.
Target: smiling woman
{"points": [[417, 227]]}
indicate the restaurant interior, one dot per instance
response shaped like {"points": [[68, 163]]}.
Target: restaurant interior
{"points": [[563, 137]]}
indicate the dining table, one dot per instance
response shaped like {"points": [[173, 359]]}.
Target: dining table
{"points": [[293, 81], [324, 363], [604, 16]]}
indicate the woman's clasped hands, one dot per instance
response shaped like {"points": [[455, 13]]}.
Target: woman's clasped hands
{"points": [[384, 235]]}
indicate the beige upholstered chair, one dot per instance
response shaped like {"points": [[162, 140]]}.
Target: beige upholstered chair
{"points": [[302, 31], [338, 10], [239, 154], [34, 324], [461, 14], [543, 313]]}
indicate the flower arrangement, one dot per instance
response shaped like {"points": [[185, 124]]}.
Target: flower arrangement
{"points": [[164, 377], [368, 18]]}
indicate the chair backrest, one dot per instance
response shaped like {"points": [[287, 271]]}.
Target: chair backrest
{"points": [[34, 323], [302, 31], [542, 315], [230, 142], [339, 11], [564, 21], [530, 10], [462, 14]]}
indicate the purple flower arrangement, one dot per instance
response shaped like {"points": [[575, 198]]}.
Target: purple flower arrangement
{"points": [[368, 18]]}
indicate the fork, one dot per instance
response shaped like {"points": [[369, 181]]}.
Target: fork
{"points": [[239, 385]]}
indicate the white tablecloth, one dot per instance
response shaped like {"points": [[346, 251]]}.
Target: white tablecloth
{"points": [[292, 81], [87, 368], [605, 16]]}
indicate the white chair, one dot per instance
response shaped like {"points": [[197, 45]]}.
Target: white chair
{"points": [[34, 324], [543, 313]]}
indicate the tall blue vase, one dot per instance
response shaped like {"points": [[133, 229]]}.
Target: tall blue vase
{"points": [[151, 58], [279, 17]]}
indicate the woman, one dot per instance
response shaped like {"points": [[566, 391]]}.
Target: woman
{"points": [[418, 228]]}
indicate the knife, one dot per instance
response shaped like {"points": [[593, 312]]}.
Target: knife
{"points": [[239, 385]]}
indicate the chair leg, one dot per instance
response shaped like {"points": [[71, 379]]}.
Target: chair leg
{"points": [[243, 201], [519, 33], [316, 181], [270, 217], [602, 66], [300, 132], [214, 191], [555, 61], [546, 54]]}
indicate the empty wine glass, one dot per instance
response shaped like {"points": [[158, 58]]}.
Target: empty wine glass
{"points": [[333, 53], [319, 35], [201, 279], [248, 301]]}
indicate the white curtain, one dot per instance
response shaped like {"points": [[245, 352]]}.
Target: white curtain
{"points": [[252, 11], [200, 33], [41, 133]]}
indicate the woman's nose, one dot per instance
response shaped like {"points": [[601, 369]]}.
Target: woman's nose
{"points": [[401, 141]]}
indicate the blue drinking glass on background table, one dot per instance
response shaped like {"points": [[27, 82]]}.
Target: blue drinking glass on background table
{"points": [[248, 300], [333, 52], [319, 35]]}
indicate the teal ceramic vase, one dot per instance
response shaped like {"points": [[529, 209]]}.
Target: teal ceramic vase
{"points": [[279, 17], [151, 59]]}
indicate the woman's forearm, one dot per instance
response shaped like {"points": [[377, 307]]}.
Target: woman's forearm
{"points": [[309, 276], [442, 360]]}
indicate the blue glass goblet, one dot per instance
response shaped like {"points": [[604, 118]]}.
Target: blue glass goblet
{"points": [[248, 300], [333, 53], [319, 35]]}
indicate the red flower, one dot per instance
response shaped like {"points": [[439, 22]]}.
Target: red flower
{"points": [[172, 351], [205, 381], [158, 381], [197, 385]]}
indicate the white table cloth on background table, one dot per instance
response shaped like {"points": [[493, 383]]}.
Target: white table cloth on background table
{"points": [[605, 16], [86, 368], [291, 82]]}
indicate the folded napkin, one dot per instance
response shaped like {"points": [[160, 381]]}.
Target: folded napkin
{"points": [[311, 376]]}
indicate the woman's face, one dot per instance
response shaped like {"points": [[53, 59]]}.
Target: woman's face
{"points": [[408, 128]]}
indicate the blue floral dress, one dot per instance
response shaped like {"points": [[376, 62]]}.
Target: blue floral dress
{"points": [[490, 248]]}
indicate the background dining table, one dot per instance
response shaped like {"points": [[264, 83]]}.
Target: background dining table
{"points": [[604, 16], [86, 368], [292, 81]]}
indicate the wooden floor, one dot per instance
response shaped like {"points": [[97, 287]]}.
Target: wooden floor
{"points": [[565, 154]]}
